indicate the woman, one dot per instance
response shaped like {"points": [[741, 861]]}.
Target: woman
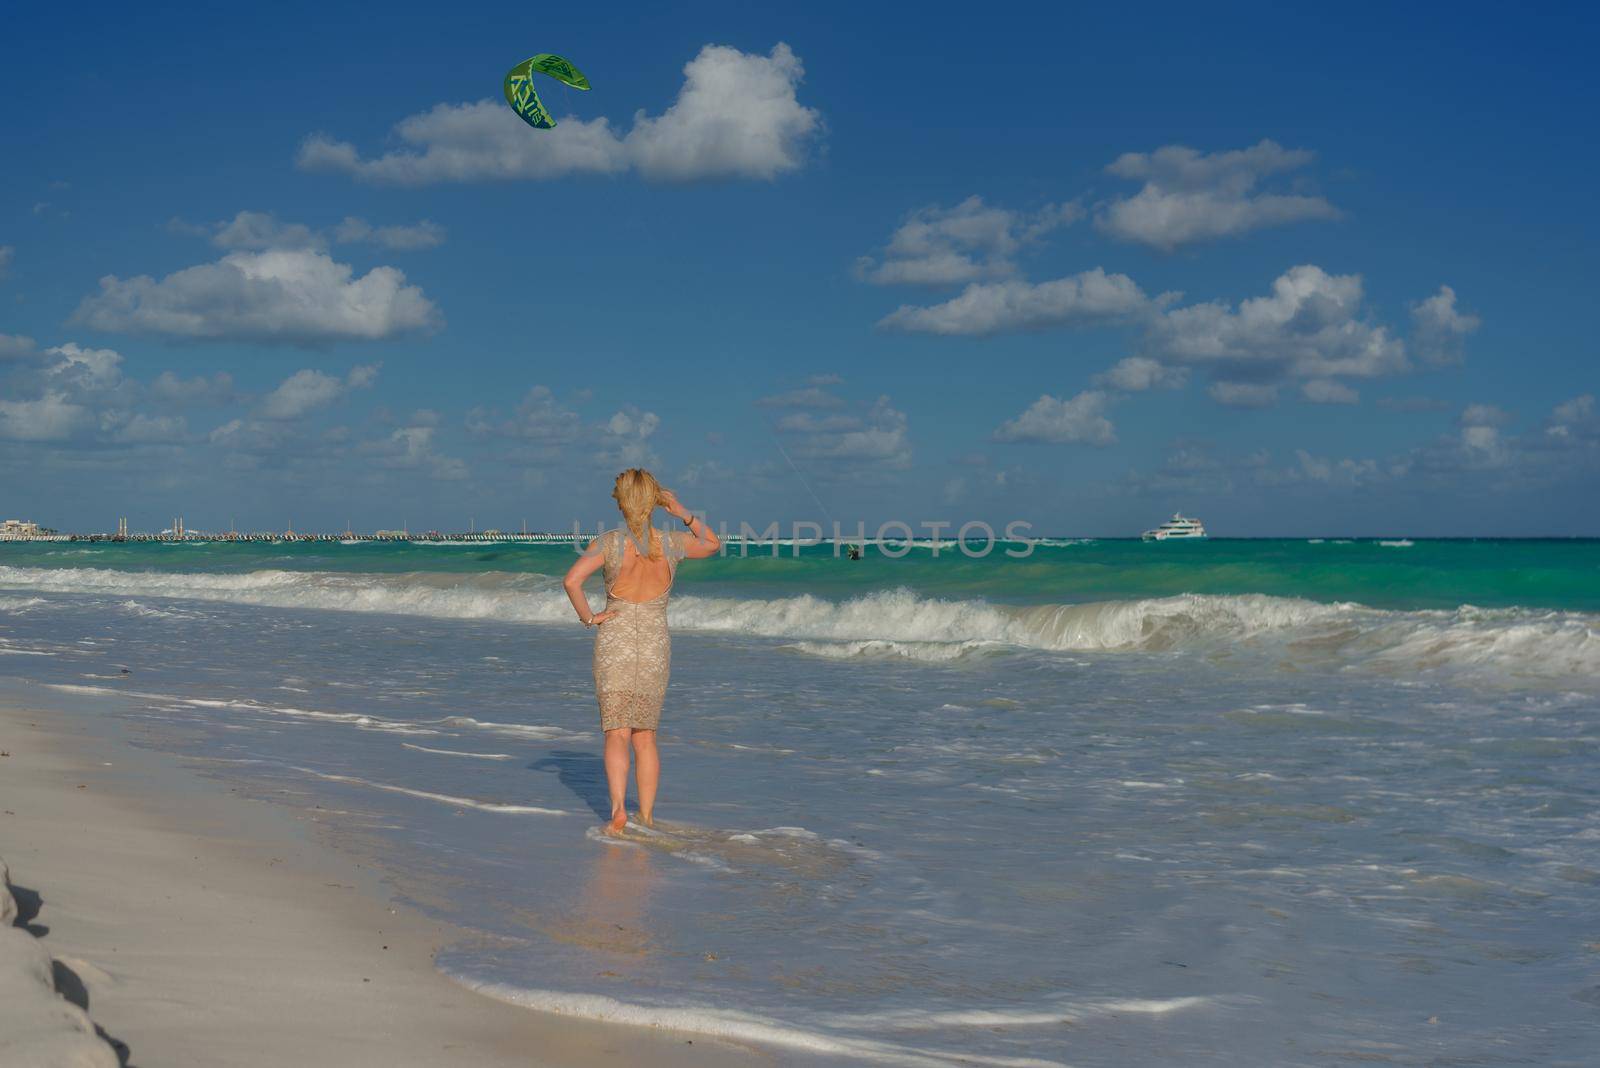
{"points": [[632, 651]]}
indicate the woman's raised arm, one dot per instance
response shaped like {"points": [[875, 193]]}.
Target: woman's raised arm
{"points": [[702, 540]]}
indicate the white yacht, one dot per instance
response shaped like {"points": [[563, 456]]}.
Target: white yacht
{"points": [[1176, 527]]}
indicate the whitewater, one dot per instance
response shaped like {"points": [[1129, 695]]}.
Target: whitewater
{"points": [[1279, 802], [1525, 644]]}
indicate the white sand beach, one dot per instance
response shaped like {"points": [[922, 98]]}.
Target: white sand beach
{"points": [[198, 927]]}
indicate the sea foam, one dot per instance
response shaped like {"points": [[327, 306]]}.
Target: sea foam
{"points": [[1509, 644]]}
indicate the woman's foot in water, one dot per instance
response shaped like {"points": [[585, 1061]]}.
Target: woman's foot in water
{"points": [[619, 822], [647, 818]]}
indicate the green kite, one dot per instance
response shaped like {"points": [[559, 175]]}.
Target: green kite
{"points": [[519, 87]]}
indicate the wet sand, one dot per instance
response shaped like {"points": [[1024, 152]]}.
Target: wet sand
{"points": [[199, 927]]}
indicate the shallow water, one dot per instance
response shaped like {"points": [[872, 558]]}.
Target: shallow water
{"points": [[907, 825]]}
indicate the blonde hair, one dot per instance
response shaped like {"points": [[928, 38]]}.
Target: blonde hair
{"points": [[637, 493]]}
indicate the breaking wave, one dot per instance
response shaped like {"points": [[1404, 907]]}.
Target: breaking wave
{"points": [[1505, 644]]}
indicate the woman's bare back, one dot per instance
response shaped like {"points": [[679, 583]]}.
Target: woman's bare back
{"points": [[641, 578]]}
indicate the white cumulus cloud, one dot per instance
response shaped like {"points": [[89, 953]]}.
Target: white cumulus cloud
{"points": [[542, 418], [1484, 415], [1438, 330], [476, 142], [624, 439], [1343, 472], [51, 417], [413, 448], [1579, 409], [199, 390], [1310, 326], [1190, 196], [736, 116], [257, 230], [1573, 424], [421, 235], [1078, 420], [84, 369], [141, 429], [1327, 391], [15, 346], [1091, 297], [853, 441], [539, 418], [970, 242], [307, 390], [1138, 373], [295, 296], [878, 439]]}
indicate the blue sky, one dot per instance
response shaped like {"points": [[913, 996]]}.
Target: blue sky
{"points": [[1295, 272]]}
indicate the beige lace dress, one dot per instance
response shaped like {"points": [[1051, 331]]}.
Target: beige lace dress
{"points": [[633, 651]]}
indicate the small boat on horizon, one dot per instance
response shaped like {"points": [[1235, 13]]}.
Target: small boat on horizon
{"points": [[1176, 528]]}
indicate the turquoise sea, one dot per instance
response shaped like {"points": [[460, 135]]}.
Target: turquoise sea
{"points": [[1109, 802], [1561, 573]]}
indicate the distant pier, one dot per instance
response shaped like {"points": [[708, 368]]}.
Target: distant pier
{"points": [[196, 538]]}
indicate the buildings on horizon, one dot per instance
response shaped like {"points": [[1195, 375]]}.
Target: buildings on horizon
{"points": [[18, 529]]}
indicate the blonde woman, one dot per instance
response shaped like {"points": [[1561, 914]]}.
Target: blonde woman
{"points": [[633, 651]]}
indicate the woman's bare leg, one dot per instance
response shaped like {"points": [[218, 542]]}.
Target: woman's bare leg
{"points": [[617, 776], [647, 768]]}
